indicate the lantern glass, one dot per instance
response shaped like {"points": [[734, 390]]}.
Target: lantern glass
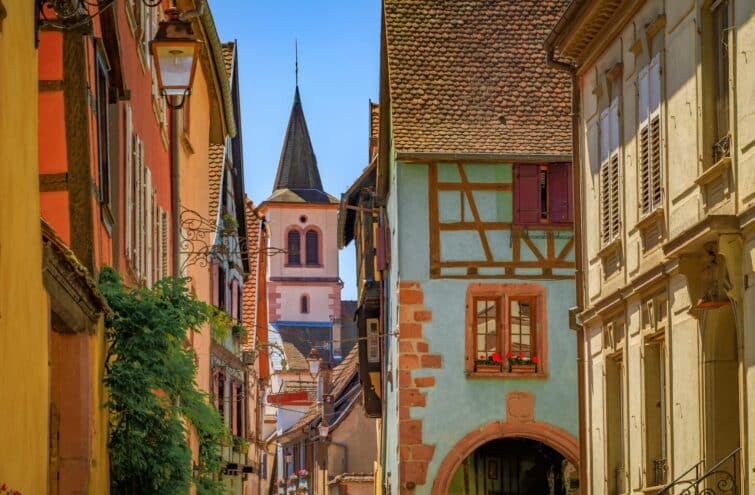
{"points": [[324, 431], [314, 362], [176, 62]]}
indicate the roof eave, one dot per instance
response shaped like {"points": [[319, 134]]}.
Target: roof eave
{"points": [[422, 156]]}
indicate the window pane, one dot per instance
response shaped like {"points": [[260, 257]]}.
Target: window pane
{"points": [[293, 248], [313, 247]]}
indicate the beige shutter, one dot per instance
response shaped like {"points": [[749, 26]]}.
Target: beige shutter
{"points": [[129, 158], [605, 179], [148, 228], [138, 219], [615, 183], [643, 96], [656, 174]]}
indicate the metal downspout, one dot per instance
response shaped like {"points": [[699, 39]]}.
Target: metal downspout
{"points": [[175, 114], [579, 286]]}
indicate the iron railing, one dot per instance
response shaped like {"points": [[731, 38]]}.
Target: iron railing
{"points": [[721, 478]]}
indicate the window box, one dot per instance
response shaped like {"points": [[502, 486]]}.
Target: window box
{"points": [[487, 368], [523, 368]]}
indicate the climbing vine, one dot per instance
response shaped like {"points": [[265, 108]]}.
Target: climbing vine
{"points": [[153, 396]]}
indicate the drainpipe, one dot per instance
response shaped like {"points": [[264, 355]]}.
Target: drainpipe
{"points": [[176, 113], [577, 204]]}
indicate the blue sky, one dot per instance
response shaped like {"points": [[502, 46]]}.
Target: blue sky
{"points": [[338, 75]]}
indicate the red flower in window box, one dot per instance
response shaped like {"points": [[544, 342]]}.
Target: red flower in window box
{"points": [[523, 364], [491, 364]]}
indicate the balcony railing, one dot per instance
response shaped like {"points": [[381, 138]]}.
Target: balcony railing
{"points": [[721, 478]]}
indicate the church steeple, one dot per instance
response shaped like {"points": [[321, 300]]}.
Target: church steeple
{"points": [[297, 168]]}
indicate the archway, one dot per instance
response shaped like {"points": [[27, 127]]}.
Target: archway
{"points": [[540, 447]]}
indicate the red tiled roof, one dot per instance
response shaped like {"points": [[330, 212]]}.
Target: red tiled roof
{"points": [[216, 157], [228, 49], [249, 295], [469, 76]]}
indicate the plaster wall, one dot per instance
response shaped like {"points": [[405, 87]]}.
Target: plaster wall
{"points": [[357, 433], [320, 308], [24, 381], [282, 217], [447, 416], [686, 203], [195, 195]]}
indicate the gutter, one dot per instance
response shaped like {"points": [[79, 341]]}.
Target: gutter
{"points": [[579, 272], [175, 173], [216, 52], [409, 156]]}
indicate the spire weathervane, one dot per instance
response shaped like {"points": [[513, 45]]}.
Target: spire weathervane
{"points": [[296, 55]]}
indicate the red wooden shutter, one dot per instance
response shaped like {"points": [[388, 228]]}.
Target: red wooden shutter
{"points": [[558, 193], [527, 194]]}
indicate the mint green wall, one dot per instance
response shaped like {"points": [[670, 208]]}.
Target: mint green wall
{"points": [[457, 405]]}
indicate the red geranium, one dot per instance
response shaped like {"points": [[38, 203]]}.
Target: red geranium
{"points": [[496, 357], [520, 356], [509, 355], [535, 360]]}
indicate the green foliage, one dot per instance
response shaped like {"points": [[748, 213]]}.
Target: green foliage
{"points": [[153, 397]]}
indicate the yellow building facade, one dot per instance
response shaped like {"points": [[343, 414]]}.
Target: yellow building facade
{"points": [[23, 316], [665, 139]]}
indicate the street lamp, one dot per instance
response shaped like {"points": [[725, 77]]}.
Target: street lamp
{"points": [[314, 362], [175, 50]]}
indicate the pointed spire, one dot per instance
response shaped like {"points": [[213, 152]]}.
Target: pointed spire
{"points": [[297, 168]]}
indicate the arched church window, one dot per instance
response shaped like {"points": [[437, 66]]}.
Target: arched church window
{"points": [[304, 304], [313, 247], [293, 248]]}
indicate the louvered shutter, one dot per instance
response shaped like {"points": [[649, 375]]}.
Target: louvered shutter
{"points": [[558, 192], [129, 170], [527, 194], [139, 208], [234, 409], [615, 184], [147, 227], [656, 166], [643, 96], [234, 298]]}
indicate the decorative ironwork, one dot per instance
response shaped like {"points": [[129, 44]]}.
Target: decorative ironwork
{"points": [[661, 468], [72, 14], [722, 148], [722, 478], [203, 240]]}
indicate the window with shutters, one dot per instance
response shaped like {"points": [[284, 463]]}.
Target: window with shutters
{"points": [[240, 410], [650, 153], [498, 220], [720, 50], [293, 248], [615, 401], [312, 247], [610, 180], [102, 106], [542, 194]]}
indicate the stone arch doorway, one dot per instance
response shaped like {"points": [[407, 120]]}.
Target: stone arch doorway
{"points": [[504, 458]]}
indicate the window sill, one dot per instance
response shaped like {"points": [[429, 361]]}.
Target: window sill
{"points": [[651, 218], [610, 248], [714, 171], [540, 375]]}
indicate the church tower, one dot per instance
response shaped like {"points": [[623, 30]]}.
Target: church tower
{"points": [[303, 287]]}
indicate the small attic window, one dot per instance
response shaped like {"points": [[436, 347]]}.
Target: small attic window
{"points": [[304, 304]]}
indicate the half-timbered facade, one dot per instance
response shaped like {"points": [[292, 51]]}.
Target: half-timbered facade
{"points": [[664, 136], [465, 223]]}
